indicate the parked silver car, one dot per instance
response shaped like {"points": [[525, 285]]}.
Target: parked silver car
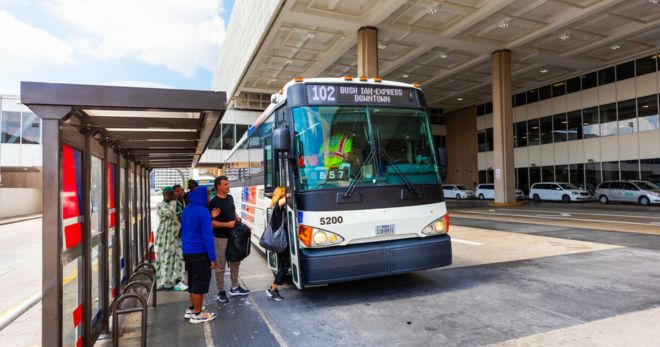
{"points": [[641, 192]]}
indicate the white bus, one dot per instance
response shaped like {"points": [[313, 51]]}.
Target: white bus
{"points": [[364, 197]]}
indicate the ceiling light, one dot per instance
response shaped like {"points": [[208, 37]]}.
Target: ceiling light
{"points": [[615, 46], [544, 70], [432, 10], [645, 106], [654, 2], [443, 55], [382, 45], [502, 24], [289, 61], [405, 75], [459, 99], [564, 36], [310, 35], [273, 80]]}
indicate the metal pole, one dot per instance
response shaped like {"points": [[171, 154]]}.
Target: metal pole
{"points": [[87, 242], [128, 257], [117, 247], [104, 238]]}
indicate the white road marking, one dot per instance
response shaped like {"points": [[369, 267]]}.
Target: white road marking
{"points": [[466, 242], [581, 213], [557, 217], [208, 335]]}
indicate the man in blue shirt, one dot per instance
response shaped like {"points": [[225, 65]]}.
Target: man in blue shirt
{"points": [[198, 249]]}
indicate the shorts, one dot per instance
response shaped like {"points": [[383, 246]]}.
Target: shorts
{"points": [[198, 267]]}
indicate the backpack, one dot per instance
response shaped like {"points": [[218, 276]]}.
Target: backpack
{"points": [[238, 245]]}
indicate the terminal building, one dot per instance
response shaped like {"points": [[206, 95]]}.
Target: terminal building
{"points": [[519, 91]]}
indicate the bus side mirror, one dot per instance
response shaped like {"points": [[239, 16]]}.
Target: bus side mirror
{"points": [[281, 140]]}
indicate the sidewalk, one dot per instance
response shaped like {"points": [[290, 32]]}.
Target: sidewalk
{"points": [[19, 218]]}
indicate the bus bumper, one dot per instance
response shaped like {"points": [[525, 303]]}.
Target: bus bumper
{"points": [[347, 263]]}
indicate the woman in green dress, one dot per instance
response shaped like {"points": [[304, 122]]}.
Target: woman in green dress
{"points": [[169, 259]]}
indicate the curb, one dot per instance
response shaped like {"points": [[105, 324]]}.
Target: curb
{"points": [[19, 219]]}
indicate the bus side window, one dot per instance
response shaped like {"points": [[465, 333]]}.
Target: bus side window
{"points": [[269, 166]]}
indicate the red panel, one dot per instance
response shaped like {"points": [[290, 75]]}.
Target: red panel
{"points": [[70, 206], [111, 195], [114, 292], [79, 342], [72, 235], [77, 315]]}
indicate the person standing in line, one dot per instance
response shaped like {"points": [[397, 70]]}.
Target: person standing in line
{"points": [[222, 204], [199, 253], [169, 260], [192, 184], [284, 258]]}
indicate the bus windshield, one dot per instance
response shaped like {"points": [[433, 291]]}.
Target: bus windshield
{"points": [[333, 143]]}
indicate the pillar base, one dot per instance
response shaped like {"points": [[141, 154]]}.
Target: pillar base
{"points": [[505, 204]]}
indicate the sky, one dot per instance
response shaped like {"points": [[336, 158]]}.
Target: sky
{"points": [[159, 43]]}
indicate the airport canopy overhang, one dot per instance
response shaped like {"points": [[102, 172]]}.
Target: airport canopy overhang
{"points": [[157, 128], [444, 45]]}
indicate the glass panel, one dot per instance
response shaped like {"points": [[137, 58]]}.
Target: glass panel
{"points": [[482, 176], [31, 124], [96, 190], [561, 173], [72, 219], [522, 176], [650, 170], [488, 108], [547, 173], [559, 127], [645, 65], [227, 134], [625, 71], [112, 219], [122, 226], [481, 141], [132, 216], [606, 76], [545, 92], [577, 175], [490, 177], [533, 132], [592, 175], [629, 169], [521, 134], [589, 80], [546, 130], [216, 139], [573, 85], [590, 122], [532, 96], [610, 170], [480, 110], [519, 99], [574, 125], [240, 130], [627, 116], [608, 121], [11, 127], [647, 109], [559, 89], [489, 139], [534, 175]]}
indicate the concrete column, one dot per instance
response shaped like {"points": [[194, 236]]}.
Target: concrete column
{"points": [[367, 51], [505, 179]]}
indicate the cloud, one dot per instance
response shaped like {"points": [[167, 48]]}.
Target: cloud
{"points": [[26, 49], [180, 35]]}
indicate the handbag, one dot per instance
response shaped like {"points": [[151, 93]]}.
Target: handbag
{"points": [[274, 240]]}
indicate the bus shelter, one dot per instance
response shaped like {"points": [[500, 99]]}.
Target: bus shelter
{"points": [[99, 145]]}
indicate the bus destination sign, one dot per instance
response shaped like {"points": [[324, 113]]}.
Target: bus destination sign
{"points": [[330, 94]]}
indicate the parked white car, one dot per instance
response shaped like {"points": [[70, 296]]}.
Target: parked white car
{"points": [[457, 191], [558, 191], [487, 192], [641, 192]]}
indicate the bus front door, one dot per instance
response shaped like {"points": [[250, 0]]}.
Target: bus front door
{"points": [[286, 179]]}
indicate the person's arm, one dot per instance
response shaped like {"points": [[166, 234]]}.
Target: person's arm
{"points": [[229, 224], [207, 236]]}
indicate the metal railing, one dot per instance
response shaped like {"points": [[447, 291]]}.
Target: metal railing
{"points": [[142, 292]]}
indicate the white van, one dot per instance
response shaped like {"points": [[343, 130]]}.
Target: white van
{"points": [[457, 191], [487, 192], [558, 191]]}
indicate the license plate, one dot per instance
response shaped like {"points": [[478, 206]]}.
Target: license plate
{"points": [[386, 229]]}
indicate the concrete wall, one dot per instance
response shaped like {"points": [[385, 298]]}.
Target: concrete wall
{"points": [[20, 201], [462, 146], [21, 179]]}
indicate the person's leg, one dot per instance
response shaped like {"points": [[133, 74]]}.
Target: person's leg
{"points": [[197, 300], [220, 250], [233, 272], [283, 263]]}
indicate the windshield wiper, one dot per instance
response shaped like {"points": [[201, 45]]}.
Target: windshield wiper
{"points": [[406, 181], [354, 182]]}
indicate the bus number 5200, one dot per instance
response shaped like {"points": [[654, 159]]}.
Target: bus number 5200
{"points": [[331, 220]]}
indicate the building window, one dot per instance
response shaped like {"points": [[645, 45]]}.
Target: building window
{"points": [[573, 85], [645, 65], [488, 109], [577, 174], [547, 173], [532, 96], [523, 179], [481, 110], [227, 134], [31, 129], [608, 123], [592, 175], [440, 141], [482, 176], [589, 80], [545, 92], [627, 116], [625, 71], [546, 129], [647, 110], [519, 99], [559, 89], [534, 175], [650, 170], [559, 127], [481, 141], [521, 134], [574, 125], [240, 130], [11, 127], [629, 169], [533, 132], [561, 173], [606, 76], [610, 170], [590, 122]]}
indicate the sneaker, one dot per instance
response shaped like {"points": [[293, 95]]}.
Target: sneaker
{"points": [[238, 291], [274, 294], [191, 312], [222, 297], [180, 287], [202, 317]]}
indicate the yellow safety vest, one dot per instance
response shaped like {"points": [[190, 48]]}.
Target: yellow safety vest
{"points": [[336, 150]]}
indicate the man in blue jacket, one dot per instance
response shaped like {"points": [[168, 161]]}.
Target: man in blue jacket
{"points": [[198, 248]]}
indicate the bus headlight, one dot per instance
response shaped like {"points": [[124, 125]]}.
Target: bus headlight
{"points": [[437, 227], [317, 238]]}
